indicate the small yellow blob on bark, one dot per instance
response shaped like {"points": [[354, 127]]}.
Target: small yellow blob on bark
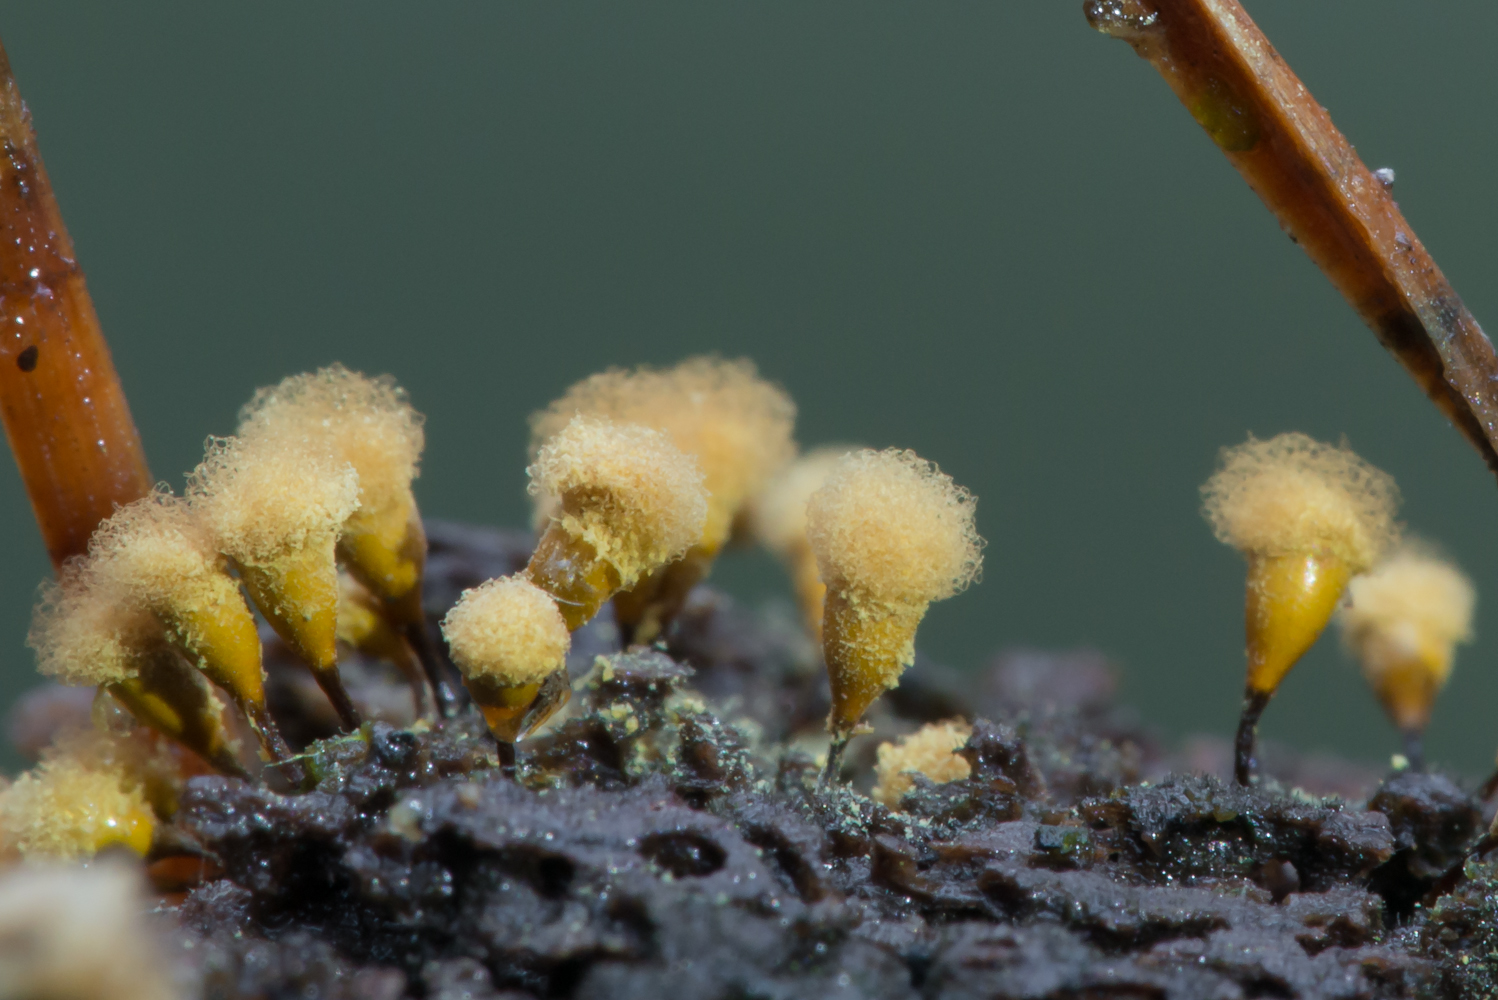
{"points": [[930, 750]]}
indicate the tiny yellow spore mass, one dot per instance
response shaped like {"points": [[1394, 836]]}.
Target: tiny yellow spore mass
{"points": [[930, 750], [508, 630]]}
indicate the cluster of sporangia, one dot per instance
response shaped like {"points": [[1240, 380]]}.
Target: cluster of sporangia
{"points": [[640, 478]]}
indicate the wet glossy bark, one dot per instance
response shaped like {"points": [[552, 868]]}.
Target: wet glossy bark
{"points": [[64, 410]]}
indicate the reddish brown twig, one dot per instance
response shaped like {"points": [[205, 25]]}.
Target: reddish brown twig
{"points": [[1284, 144], [64, 410]]}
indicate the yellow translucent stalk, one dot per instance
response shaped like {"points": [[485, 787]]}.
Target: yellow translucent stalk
{"points": [[386, 551], [298, 595], [513, 712], [644, 611], [867, 646], [176, 701], [571, 571], [1290, 599]]}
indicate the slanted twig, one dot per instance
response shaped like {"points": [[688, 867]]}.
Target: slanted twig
{"points": [[64, 410], [1241, 91]]}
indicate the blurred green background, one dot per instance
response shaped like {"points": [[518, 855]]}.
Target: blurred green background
{"points": [[975, 229]]}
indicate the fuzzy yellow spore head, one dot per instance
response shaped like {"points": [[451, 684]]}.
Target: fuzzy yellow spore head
{"points": [[364, 422], [1291, 495], [625, 489], [777, 515], [737, 425], [159, 553], [369, 424], [930, 750], [71, 807], [271, 495], [85, 632], [891, 534], [507, 631], [1403, 621], [892, 529]]}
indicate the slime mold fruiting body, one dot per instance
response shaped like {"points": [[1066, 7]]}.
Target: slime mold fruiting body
{"points": [[626, 501], [511, 643], [1402, 621], [157, 556], [891, 534], [369, 424], [275, 504], [1307, 516], [734, 423]]}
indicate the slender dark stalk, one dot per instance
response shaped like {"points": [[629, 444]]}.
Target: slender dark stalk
{"points": [[274, 745], [436, 670], [332, 686], [1414, 749], [64, 409], [1244, 761], [506, 757], [832, 774], [1271, 129]]}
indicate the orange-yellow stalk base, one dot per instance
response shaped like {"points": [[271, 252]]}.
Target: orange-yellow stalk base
{"points": [[570, 570], [1289, 602], [64, 410], [866, 646]]}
